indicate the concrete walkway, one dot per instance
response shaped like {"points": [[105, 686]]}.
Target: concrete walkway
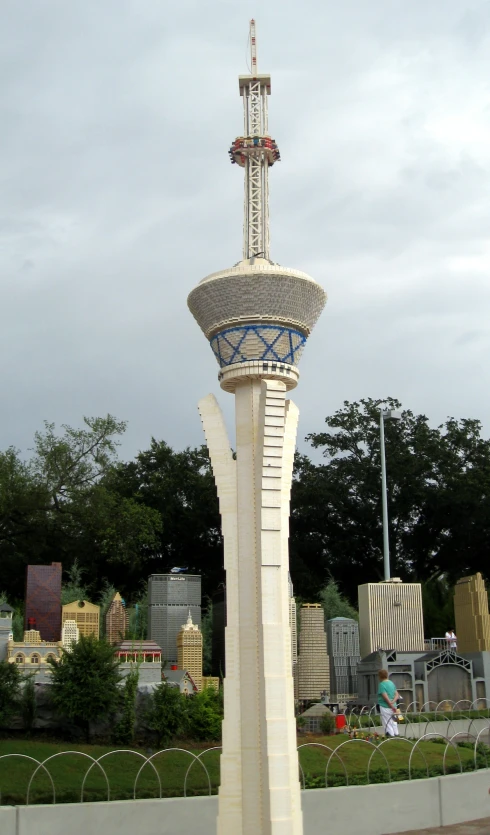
{"points": [[479, 827]]}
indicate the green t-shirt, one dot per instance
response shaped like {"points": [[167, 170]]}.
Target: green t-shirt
{"points": [[387, 687]]}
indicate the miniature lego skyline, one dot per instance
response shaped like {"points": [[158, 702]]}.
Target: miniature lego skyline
{"points": [[257, 317]]}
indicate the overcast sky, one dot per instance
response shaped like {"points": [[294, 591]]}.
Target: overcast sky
{"points": [[117, 196]]}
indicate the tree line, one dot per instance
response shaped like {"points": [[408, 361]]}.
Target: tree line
{"points": [[74, 501]]}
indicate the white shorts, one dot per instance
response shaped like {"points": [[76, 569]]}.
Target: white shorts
{"points": [[390, 725]]}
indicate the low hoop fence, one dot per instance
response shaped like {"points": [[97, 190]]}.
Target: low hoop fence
{"points": [[371, 758], [358, 756]]}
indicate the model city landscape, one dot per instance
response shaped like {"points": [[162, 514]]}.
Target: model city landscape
{"points": [[333, 661]]}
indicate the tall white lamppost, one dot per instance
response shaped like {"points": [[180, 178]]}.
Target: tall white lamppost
{"points": [[385, 414], [257, 317]]}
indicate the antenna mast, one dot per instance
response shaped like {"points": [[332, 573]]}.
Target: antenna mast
{"points": [[255, 152]]}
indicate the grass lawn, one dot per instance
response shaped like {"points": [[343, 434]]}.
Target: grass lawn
{"points": [[392, 757], [122, 766]]}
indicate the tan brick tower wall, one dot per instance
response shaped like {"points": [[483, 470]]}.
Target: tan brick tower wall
{"points": [[294, 631], [390, 617], [471, 614], [313, 668], [86, 616], [189, 651]]}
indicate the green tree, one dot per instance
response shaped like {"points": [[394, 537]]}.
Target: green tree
{"points": [[74, 589], [89, 520], [167, 713], [138, 615], [335, 605], [84, 684], [104, 601], [122, 529], [18, 622], [74, 502], [180, 488], [23, 530], [438, 481], [28, 704], [125, 728], [205, 716], [9, 691], [438, 603], [77, 459], [327, 722]]}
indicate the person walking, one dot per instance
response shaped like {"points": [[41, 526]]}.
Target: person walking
{"points": [[387, 696]]}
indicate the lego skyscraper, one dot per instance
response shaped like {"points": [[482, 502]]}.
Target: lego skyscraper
{"points": [[471, 614], [43, 600], [170, 599]]}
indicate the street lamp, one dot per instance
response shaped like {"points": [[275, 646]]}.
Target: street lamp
{"points": [[385, 414]]}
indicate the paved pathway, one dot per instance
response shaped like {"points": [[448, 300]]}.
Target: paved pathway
{"points": [[479, 827]]}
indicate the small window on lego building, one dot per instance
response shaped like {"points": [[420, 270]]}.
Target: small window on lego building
{"points": [[35, 659], [19, 658]]}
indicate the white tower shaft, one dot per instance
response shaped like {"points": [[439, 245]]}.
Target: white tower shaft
{"points": [[259, 792]]}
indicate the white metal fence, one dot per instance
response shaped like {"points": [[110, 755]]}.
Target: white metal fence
{"points": [[198, 773]]}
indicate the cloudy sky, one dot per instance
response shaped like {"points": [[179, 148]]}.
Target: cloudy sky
{"points": [[117, 197]]}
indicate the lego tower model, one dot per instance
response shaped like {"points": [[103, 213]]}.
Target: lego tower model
{"points": [[43, 600], [313, 664], [293, 625], [257, 317], [170, 598], [390, 617], [343, 652], [116, 620], [189, 651], [471, 614]]}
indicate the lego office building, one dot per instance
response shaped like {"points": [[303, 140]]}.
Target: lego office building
{"points": [[170, 599]]}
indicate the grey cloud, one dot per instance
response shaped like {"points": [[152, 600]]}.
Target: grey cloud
{"points": [[117, 196]]}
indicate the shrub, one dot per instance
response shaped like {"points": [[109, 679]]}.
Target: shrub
{"points": [[85, 682], [205, 715], [327, 723], [28, 706], [125, 728], [167, 713], [9, 691]]}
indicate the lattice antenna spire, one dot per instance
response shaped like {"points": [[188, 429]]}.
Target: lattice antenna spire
{"points": [[253, 50], [256, 152]]}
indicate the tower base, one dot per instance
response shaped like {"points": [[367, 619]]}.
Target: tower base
{"points": [[260, 790]]}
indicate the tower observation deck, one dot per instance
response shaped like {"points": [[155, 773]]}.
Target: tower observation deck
{"points": [[256, 315]]}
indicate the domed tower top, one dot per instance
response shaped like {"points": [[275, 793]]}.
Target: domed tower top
{"points": [[257, 315]]}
